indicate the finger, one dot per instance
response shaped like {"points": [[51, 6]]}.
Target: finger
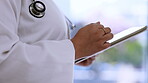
{"points": [[98, 22], [89, 61], [93, 58], [107, 30], [107, 37], [101, 32], [100, 26], [106, 45], [85, 63]]}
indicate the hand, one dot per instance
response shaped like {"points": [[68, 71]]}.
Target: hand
{"points": [[91, 39], [87, 62]]}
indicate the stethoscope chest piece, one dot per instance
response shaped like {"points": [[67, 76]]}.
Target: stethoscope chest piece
{"points": [[37, 9]]}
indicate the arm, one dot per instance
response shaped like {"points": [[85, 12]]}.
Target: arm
{"points": [[41, 62]]}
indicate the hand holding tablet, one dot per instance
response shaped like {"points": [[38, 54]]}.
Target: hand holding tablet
{"points": [[118, 38]]}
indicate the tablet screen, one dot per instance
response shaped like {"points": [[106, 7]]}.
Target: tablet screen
{"points": [[128, 33]]}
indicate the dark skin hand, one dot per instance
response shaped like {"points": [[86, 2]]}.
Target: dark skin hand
{"points": [[90, 39], [86, 62]]}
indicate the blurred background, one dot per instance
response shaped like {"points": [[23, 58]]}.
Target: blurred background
{"points": [[125, 63]]}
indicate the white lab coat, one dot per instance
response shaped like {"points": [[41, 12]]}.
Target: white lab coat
{"points": [[34, 50]]}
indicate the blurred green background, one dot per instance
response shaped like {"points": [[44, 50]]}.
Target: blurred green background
{"points": [[126, 62], [129, 52]]}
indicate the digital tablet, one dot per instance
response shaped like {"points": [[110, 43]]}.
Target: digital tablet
{"points": [[117, 39]]}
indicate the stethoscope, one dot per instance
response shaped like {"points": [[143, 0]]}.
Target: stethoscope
{"points": [[38, 8]]}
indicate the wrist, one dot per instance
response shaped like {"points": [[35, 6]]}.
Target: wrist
{"points": [[78, 53]]}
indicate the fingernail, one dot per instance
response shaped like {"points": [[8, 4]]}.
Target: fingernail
{"points": [[98, 22]]}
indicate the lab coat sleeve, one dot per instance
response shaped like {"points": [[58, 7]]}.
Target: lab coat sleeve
{"points": [[42, 62]]}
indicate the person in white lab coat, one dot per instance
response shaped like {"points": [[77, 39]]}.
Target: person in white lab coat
{"points": [[37, 50]]}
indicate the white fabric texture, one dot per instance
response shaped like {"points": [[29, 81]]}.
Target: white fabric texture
{"points": [[34, 50]]}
